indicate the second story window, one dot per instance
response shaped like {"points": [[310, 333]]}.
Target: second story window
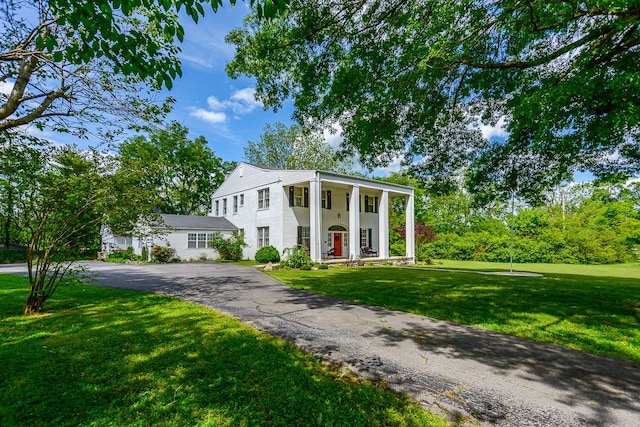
{"points": [[217, 207], [263, 199], [235, 204], [298, 196], [242, 200], [224, 207]]}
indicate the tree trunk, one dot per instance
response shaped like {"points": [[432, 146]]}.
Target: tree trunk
{"points": [[34, 305]]}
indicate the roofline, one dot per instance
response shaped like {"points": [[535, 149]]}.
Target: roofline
{"points": [[318, 172]]}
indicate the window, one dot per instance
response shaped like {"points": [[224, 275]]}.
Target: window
{"points": [[191, 241], [224, 207], [364, 238], [371, 204], [263, 199], [304, 237], [298, 196], [242, 200], [330, 240], [263, 236], [202, 240], [235, 204], [217, 207], [326, 199]]}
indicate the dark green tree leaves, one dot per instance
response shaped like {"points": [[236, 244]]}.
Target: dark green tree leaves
{"points": [[418, 78], [178, 175]]}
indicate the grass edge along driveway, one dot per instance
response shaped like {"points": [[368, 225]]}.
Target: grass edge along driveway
{"points": [[594, 313], [106, 357]]}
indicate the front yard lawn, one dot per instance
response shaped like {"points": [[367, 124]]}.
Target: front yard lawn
{"points": [[593, 313], [105, 357]]}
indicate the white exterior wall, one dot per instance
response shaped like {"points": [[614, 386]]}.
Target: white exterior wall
{"points": [[283, 220]]}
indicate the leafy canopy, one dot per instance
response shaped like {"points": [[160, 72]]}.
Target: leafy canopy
{"points": [[73, 64], [177, 174], [293, 147], [418, 78]]}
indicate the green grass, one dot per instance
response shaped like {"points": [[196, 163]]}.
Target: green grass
{"points": [[629, 271], [587, 310], [104, 357]]}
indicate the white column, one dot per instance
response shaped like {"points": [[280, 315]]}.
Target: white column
{"points": [[383, 226], [410, 228], [354, 222], [315, 219]]}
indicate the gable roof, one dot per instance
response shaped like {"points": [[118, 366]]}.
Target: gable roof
{"points": [[197, 222]]}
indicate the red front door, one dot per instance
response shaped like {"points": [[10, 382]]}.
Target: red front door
{"points": [[337, 244]]}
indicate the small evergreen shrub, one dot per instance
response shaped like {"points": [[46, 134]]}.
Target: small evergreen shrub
{"points": [[267, 254], [323, 267], [306, 267]]}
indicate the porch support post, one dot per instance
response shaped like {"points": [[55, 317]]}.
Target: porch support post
{"points": [[354, 222], [315, 219], [383, 225], [410, 229]]}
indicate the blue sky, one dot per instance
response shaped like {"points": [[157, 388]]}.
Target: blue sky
{"points": [[210, 103]]}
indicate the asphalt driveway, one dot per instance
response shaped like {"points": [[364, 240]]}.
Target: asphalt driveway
{"points": [[491, 378]]}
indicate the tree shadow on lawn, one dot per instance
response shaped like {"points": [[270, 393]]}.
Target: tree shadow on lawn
{"points": [[137, 358]]}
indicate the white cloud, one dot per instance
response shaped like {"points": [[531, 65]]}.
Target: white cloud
{"points": [[209, 116], [6, 87], [333, 136], [497, 131], [240, 102]]}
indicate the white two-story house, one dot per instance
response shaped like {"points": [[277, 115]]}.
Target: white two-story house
{"points": [[332, 215]]}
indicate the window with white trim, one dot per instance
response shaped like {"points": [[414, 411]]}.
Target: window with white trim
{"points": [[306, 238], [263, 198], [202, 240], [217, 207], [224, 207], [242, 200], [364, 238], [263, 237], [192, 242], [235, 204]]}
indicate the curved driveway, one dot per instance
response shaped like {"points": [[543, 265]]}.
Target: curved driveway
{"points": [[491, 378]]}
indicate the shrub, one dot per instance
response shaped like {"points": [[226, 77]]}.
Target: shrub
{"points": [[14, 255], [267, 254], [323, 267], [163, 253], [295, 257], [305, 267], [122, 256], [229, 249]]}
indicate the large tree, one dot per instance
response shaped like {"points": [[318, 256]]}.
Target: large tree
{"points": [[293, 147], [418, 78], [70, 65], [178, 174]]}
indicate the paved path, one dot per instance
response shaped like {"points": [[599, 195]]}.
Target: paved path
{"points": [[463, 371]]}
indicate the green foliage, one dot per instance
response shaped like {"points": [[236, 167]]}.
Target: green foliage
{"points": [[163, 253], [295, 257], [106, 356], [86, 62], [419, 81], [121, 256], [267, 254], [176, 174], [323, 267], [13, 255], [589, 308], [229, 249], [294, 147]]}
